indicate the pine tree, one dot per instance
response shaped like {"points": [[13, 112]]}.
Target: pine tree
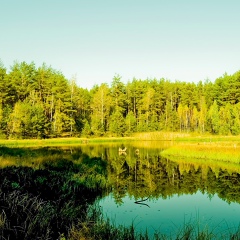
{"points": [[213, 119]]}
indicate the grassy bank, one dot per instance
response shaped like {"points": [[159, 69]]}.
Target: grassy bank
{"points": [[144, 136], [60, 141], [181, 145], [160, 136], [195, 146], [217, 151], [184, 137]]}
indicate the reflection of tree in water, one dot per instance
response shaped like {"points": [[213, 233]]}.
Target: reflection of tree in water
{"points": [[152, 176], [147, 174], [142, 174], [75, 177]]}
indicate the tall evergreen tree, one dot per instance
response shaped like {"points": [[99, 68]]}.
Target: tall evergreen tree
{"points": [[213, 119], [100, 106]]}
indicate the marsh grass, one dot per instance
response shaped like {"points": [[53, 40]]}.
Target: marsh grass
{"points": [[24, 216], [208, 138], [224, 151], [43, 203], [186, 137], [143, 136], [160, 135], [60, 141]]}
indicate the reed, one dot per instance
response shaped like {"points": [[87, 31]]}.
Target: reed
{"points": [[160, 135], [184, 137]]}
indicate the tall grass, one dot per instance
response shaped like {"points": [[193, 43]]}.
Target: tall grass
{"points": [[184, 137], [25, 217], [161, 135], [43, 203], [193, 137]]}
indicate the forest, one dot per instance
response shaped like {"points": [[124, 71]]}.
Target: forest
{"points": [[40, 102]]}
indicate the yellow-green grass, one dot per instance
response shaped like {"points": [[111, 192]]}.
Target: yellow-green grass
{"points": [[59, 141], [208, 138], [183, 137], [217, 151], [144, 136], [160, 135]]}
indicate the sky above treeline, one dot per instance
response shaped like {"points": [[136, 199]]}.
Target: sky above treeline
{"points": [[93, 40]]}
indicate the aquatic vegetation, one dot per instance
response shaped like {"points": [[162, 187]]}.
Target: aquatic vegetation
{"points": [[160, 135], [45, 202]]}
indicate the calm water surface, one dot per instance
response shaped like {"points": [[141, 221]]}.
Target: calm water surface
{"points": [[162, 195], [167, 216], [152, 192]]}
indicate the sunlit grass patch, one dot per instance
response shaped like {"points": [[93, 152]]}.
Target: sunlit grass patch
{"points": [[160, 135], [221, 151], [208, 138], [184, 137], [60, 141]]}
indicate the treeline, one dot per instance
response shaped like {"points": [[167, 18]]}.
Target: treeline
{"points": [[39, 102]]}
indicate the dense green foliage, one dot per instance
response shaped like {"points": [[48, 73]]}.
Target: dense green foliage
{"points": [[39, 102]]}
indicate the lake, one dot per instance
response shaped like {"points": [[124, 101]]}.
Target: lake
{"points": [[138, 186], [163, 195]]}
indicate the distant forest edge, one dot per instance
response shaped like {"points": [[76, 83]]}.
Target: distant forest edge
{"points": [[39, 102]]}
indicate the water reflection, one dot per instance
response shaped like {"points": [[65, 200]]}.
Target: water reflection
{"points": [[138, 171], [175, 191], [163, 194], [143, 187], [168, 216]]}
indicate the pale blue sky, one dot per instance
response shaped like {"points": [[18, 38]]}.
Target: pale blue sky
{"points": [[182, 40]]}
